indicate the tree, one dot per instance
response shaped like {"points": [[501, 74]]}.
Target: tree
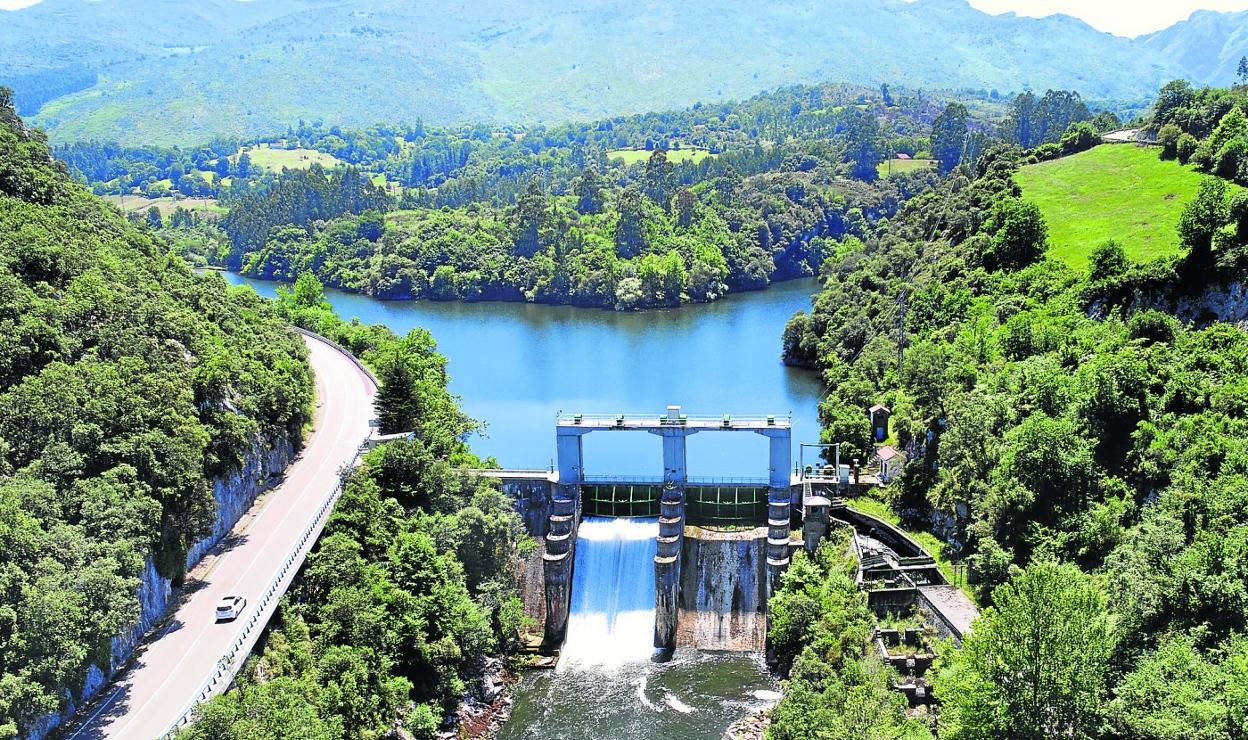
{"points": [[531, 216], [1202, 218], [1243, 70], [863, 144], [588, 191], [686, 202], [1035, 665], [657, 182], [630, 237], [1168, 138], [398, 399], [1080, 137], [1019, 234], [308, 292], [1022, 120], [1174, 97], [154, 218], [242, 168], [1186, 147], [950, 135], [1108, 261]]}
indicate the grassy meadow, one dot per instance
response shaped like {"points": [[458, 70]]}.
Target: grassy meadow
{"points": [[1114, 191], [166, 206], [633, 156], [293, 159], [898, 166]]}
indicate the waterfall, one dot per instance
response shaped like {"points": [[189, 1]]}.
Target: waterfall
{"points": [[611, 620]]}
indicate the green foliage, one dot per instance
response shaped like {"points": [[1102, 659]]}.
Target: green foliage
{"points": [[1034, 121], [409, 588], [950, 133], [1054, 417], [1019, 234], [1036, 664], [126, 383], [1182, 693], [819, 631], [1207, 127]]}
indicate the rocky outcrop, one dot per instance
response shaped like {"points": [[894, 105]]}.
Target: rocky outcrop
{"points": [[752, 726], [1227, 302], [234, 494]]}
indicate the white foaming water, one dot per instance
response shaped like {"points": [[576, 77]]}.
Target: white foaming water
{"points": [[611, 620], [675, 703], [641, 694]]}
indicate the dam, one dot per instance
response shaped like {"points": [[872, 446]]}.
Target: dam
{"points": [[615, 548], [649, 593]]}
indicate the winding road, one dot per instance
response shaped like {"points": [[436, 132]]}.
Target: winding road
{"points": [[168, 672]]}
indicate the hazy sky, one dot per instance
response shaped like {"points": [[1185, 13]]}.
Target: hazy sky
{"points": [[1123, 17]]}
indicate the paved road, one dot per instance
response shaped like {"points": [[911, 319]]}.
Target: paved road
{"points": [[167, 672]]}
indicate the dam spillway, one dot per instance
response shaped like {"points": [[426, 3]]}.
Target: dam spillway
{"points": [[611, 616]]}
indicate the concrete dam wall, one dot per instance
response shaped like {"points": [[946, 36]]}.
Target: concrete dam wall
{"points": [[723, 590]]}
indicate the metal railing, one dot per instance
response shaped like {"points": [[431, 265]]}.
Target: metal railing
{"points": [[229, 664], [693, 480], [240, 649], [725, 421]]}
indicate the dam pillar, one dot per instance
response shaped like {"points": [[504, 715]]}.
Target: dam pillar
{"points": [[560, 551], [671, 538], [779, 504]]}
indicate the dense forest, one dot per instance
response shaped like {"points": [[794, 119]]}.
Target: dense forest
{"points": [[1079, 446], [410, 587], [126, 384], [648, 210]]}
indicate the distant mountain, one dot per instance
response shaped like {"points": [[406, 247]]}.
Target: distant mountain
{"points": [[171, 71], [1208, 45]]}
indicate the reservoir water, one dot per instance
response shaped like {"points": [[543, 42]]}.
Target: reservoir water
{"points": [[516, 365]]}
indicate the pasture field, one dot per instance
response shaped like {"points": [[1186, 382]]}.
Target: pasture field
{"points": [[166, 206], [897, 166], [293, 159], [1114, 191], [633, 156]]}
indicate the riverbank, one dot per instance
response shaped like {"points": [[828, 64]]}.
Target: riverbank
{"points": [[635, 303]]}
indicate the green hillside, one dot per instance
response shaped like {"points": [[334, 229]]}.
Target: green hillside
{"points": [[92, 70], [1116, 192], [127, 383]]}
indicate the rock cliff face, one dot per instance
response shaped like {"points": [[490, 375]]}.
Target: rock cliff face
{"points": [[1219, 303], [234, 494]]}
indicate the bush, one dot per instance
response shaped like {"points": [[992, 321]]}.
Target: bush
{"points": [[1186, 148], [1230, 159], [1079, 137], [1168, 137]]}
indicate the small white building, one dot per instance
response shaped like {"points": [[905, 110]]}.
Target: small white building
{"points": [[892, 460]]}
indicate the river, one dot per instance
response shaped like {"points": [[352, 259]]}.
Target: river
{"points": [[516, 365]]}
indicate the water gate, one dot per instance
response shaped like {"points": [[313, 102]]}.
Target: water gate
{"points": [[674, 499]]}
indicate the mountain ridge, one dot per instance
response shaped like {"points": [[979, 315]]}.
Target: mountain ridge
{"points": [[224, 67]]}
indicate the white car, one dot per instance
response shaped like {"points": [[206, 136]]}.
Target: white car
{"points": [[230, 607]]}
